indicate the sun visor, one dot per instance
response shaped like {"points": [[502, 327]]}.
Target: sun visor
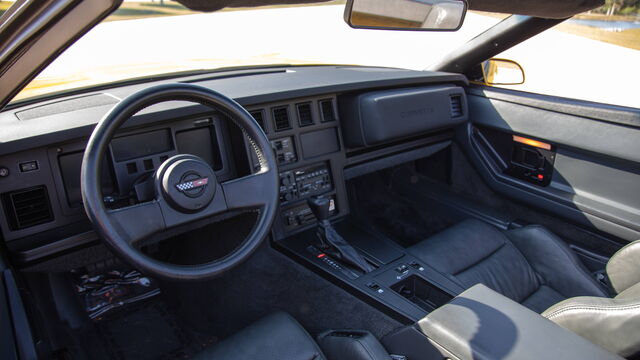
{"points": [[552, 9]]}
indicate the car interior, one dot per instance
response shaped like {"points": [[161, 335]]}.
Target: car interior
{"points": [[322, 212]]}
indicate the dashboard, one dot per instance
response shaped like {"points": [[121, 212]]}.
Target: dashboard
{"points": [[303, 110]]}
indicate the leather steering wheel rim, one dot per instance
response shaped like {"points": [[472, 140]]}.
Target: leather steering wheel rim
{"points": [[122, 228]]}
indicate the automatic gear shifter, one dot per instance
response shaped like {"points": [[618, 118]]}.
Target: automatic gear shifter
{"points": [[330, 240]]}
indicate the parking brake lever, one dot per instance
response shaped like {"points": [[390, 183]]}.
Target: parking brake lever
{"points": [[330, 240]]}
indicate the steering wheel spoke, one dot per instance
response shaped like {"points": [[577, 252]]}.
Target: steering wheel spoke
{"points": [[252, 191], [137, 222]]}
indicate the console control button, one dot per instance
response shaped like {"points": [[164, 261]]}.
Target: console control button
{"points": [[402, 269], [375, 287]]}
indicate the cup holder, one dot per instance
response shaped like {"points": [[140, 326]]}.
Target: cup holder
{"points": [[421, 292]]}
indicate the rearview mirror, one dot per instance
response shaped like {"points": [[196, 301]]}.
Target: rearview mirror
{"points": [[502, 72], [406, 14]]}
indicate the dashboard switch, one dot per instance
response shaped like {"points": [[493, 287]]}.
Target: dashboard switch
{"points": [[28, 166], [4, 172]]}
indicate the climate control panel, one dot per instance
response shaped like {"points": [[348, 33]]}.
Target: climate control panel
{"points": [[304, 182]]}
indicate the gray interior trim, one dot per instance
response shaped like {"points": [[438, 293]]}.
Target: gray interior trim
{"points": [[392, 160], [556, 127], [482, 324], [295, 82], [610, 113]]}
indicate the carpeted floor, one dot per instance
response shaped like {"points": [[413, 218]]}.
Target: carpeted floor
{"points": [[270, 282]]}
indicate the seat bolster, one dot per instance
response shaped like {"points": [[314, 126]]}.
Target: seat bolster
{"points": [[555, 262], [623, 269], [275, 337], [610, 323]]}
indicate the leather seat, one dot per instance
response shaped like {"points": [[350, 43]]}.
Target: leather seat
{"points": [[534, 267], [275, 337], [529, 265]]}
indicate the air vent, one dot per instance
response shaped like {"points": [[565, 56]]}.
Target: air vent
{"points": [[281, 118], [27, 207], [305, 118], [259, 116], [456, 106], [326, 108]]}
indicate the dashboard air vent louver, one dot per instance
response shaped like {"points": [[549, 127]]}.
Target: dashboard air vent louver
{"points": [[281, 118], [27, 207], [258, 115], [326, 108], [305, 117], [456, 106]]}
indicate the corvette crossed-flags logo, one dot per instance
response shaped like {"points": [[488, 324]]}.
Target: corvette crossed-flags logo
{"points": [[188, 185]]}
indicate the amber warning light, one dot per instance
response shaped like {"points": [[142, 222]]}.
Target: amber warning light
{"points": [[531, 142]]}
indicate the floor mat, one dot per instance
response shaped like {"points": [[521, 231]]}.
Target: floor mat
{"points": [[269, 282], [144, 331]]}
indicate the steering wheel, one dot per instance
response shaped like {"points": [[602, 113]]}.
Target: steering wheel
{"points": [[185, 187]]}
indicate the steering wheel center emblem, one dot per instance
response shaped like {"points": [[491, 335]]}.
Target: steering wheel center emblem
{"points": [[192, 184]]}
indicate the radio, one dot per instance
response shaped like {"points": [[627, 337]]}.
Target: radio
{"points": [[304, 182]]}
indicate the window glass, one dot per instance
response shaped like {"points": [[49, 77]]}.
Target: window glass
{"points": [[593, 56]]}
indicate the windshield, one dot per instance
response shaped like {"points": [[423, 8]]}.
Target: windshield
{"points": [[151, 38]]}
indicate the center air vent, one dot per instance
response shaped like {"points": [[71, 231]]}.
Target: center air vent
{"points": [[326, 108], [258, 115], [281, 118], [456, 105], [27, 207], [305, 118]]}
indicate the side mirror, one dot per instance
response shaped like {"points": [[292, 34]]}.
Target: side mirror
{"points": [[502, 72], [429, 15]]}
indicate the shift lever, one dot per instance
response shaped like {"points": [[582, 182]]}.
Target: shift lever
{"points": [[330, 240]]}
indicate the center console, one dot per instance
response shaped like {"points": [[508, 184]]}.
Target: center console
{"points": [[482, 324], [400, 284], [316, 150]]}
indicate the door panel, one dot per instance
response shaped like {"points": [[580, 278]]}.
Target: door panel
{"points": [[595, 175]]}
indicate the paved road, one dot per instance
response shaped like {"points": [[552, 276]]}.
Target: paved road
{"points": [[554, 62]]}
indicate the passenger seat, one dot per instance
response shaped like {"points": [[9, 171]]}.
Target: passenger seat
{"points": [[529, 265], [535, 268]]}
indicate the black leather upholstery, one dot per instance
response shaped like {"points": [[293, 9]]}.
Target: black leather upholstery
{"points": [[275, 337], [352, 345], [529, 265]]}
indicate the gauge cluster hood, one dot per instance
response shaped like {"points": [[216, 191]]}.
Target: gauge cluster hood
{"points": [[553, 9]]}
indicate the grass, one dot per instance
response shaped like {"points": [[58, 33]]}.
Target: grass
{"points": [[4, 5], [628, 38], [594, 16], [138, 10]]}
